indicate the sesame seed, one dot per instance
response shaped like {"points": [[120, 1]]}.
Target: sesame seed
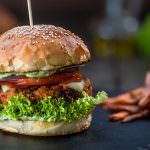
{"points": [[33, 37], [3, 48], [66, 34], [63, 45], [34, 42], [43, 32], [9, 37]]}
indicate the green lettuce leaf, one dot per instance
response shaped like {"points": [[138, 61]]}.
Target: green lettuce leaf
{"points": [[50, 109]]}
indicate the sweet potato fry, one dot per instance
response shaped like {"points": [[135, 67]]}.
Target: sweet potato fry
{"points": [[138, 115], [145, 101], [130, 106], [136, 92], [120, 107], [147, 82], [118, 116], [129, 98], [118, 101]]}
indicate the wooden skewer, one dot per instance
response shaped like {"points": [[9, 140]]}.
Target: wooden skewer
{"points": [[30, 12]]}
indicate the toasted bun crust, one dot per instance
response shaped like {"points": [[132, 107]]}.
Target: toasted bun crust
{"points": [[42, 47], [37, 128]]}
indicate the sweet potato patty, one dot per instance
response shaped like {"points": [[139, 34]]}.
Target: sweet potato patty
{"points": [[35, 93]]}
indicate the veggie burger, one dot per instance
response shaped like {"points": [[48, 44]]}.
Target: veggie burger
{"points": [[42, 91]]}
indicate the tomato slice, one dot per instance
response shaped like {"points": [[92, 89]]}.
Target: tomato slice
{"points": [[22, 81]]}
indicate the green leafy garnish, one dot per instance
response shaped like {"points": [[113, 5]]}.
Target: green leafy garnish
{"points": [[50, 109], [35, 74], [100, 97]]}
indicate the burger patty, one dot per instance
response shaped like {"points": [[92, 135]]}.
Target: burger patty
{"points": [[35, 93]]}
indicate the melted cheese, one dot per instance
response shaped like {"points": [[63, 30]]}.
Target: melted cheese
{"points": [[5, 88], [74, 85], [77, 85]]}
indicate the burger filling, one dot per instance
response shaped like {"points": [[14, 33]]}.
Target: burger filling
{"points": [[63, 95]]}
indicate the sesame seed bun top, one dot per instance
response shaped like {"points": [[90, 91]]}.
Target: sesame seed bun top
{"points": [[39, 48]]}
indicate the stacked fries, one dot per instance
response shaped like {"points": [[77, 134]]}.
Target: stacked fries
{"points": [[131, 105]]}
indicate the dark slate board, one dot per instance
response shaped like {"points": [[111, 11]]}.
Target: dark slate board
{"points": [[103, 135]]}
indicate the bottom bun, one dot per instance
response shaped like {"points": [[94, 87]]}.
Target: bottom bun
{"points": [[39, 128]]}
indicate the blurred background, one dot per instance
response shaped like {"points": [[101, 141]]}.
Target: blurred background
{"points": [[117, 33]]}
